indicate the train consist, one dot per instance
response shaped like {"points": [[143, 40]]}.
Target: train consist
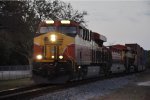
{"points": [[67, 50]]}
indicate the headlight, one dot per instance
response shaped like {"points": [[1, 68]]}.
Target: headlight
{"points": [[53, 38], [65, 22], [39, 57], [61, 57], [79, 67], [53, 57], [49, 21]]}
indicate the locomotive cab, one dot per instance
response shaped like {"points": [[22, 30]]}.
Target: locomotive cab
{"points": [[54, 48], [67, 50], [65, 27]]}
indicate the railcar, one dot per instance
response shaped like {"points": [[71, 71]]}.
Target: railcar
{"points": [[140, 57], [123, 58], [67, 50]]}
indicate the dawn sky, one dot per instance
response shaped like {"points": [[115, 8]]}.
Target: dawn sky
{"points": [[120, 21]]}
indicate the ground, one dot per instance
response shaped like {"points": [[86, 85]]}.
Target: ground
{"points": [[139, 89], [9, 84], [130, 87]]}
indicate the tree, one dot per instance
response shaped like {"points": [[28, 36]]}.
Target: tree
{"points": [[14, 16], [23, 17], [58, 10], [5, 46], [69, 13]]}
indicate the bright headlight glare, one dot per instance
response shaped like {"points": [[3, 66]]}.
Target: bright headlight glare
{"points": [[79, 67], [39, 57], [61, 57], [49, 21], [53, 57], [53, 37], [65, 22]]}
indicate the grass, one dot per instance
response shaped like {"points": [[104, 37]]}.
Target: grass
{"points": [[9, 84]]}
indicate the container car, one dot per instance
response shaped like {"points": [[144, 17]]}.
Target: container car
{"points": [[139, 57]]}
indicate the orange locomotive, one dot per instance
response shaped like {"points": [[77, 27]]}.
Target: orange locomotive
{"points": [[67, 49]]}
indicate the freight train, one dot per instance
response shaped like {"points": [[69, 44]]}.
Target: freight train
{"points": [[66, 50]]}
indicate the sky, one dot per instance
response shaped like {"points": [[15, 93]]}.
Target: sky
{"points": [[121, 21]]}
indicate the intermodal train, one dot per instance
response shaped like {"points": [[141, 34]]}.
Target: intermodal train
{"points": [[66, 50]]}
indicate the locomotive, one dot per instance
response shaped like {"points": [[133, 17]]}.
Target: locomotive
{"points": [[65, 50]]}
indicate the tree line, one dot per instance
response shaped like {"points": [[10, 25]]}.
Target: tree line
{"points": [[19, 21]]}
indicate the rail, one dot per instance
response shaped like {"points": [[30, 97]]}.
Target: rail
{"points": [[27, 93]]}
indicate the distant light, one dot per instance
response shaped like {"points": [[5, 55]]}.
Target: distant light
{"points": [[65, 22], [79, 67], [49, 21]]}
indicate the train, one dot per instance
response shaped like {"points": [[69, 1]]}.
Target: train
{"points": [[65, 50]]}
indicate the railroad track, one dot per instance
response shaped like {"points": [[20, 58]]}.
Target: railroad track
{"points": [[25, 93], [29, 92]]}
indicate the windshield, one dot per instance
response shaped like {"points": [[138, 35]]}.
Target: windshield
{"points": [[47, 29], [71, 31]]}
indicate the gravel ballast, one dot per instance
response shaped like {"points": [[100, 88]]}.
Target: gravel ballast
{"points": [[91, 90]]}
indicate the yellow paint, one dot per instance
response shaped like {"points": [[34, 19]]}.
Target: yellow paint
{"points": [[61, 39]]}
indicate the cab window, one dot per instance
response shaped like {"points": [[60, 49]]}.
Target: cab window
{"points": [[47, 29], [70, 31]]}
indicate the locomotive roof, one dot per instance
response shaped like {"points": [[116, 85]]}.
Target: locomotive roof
{"points": [[97, 36], [119, 47], [58, 22]]}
